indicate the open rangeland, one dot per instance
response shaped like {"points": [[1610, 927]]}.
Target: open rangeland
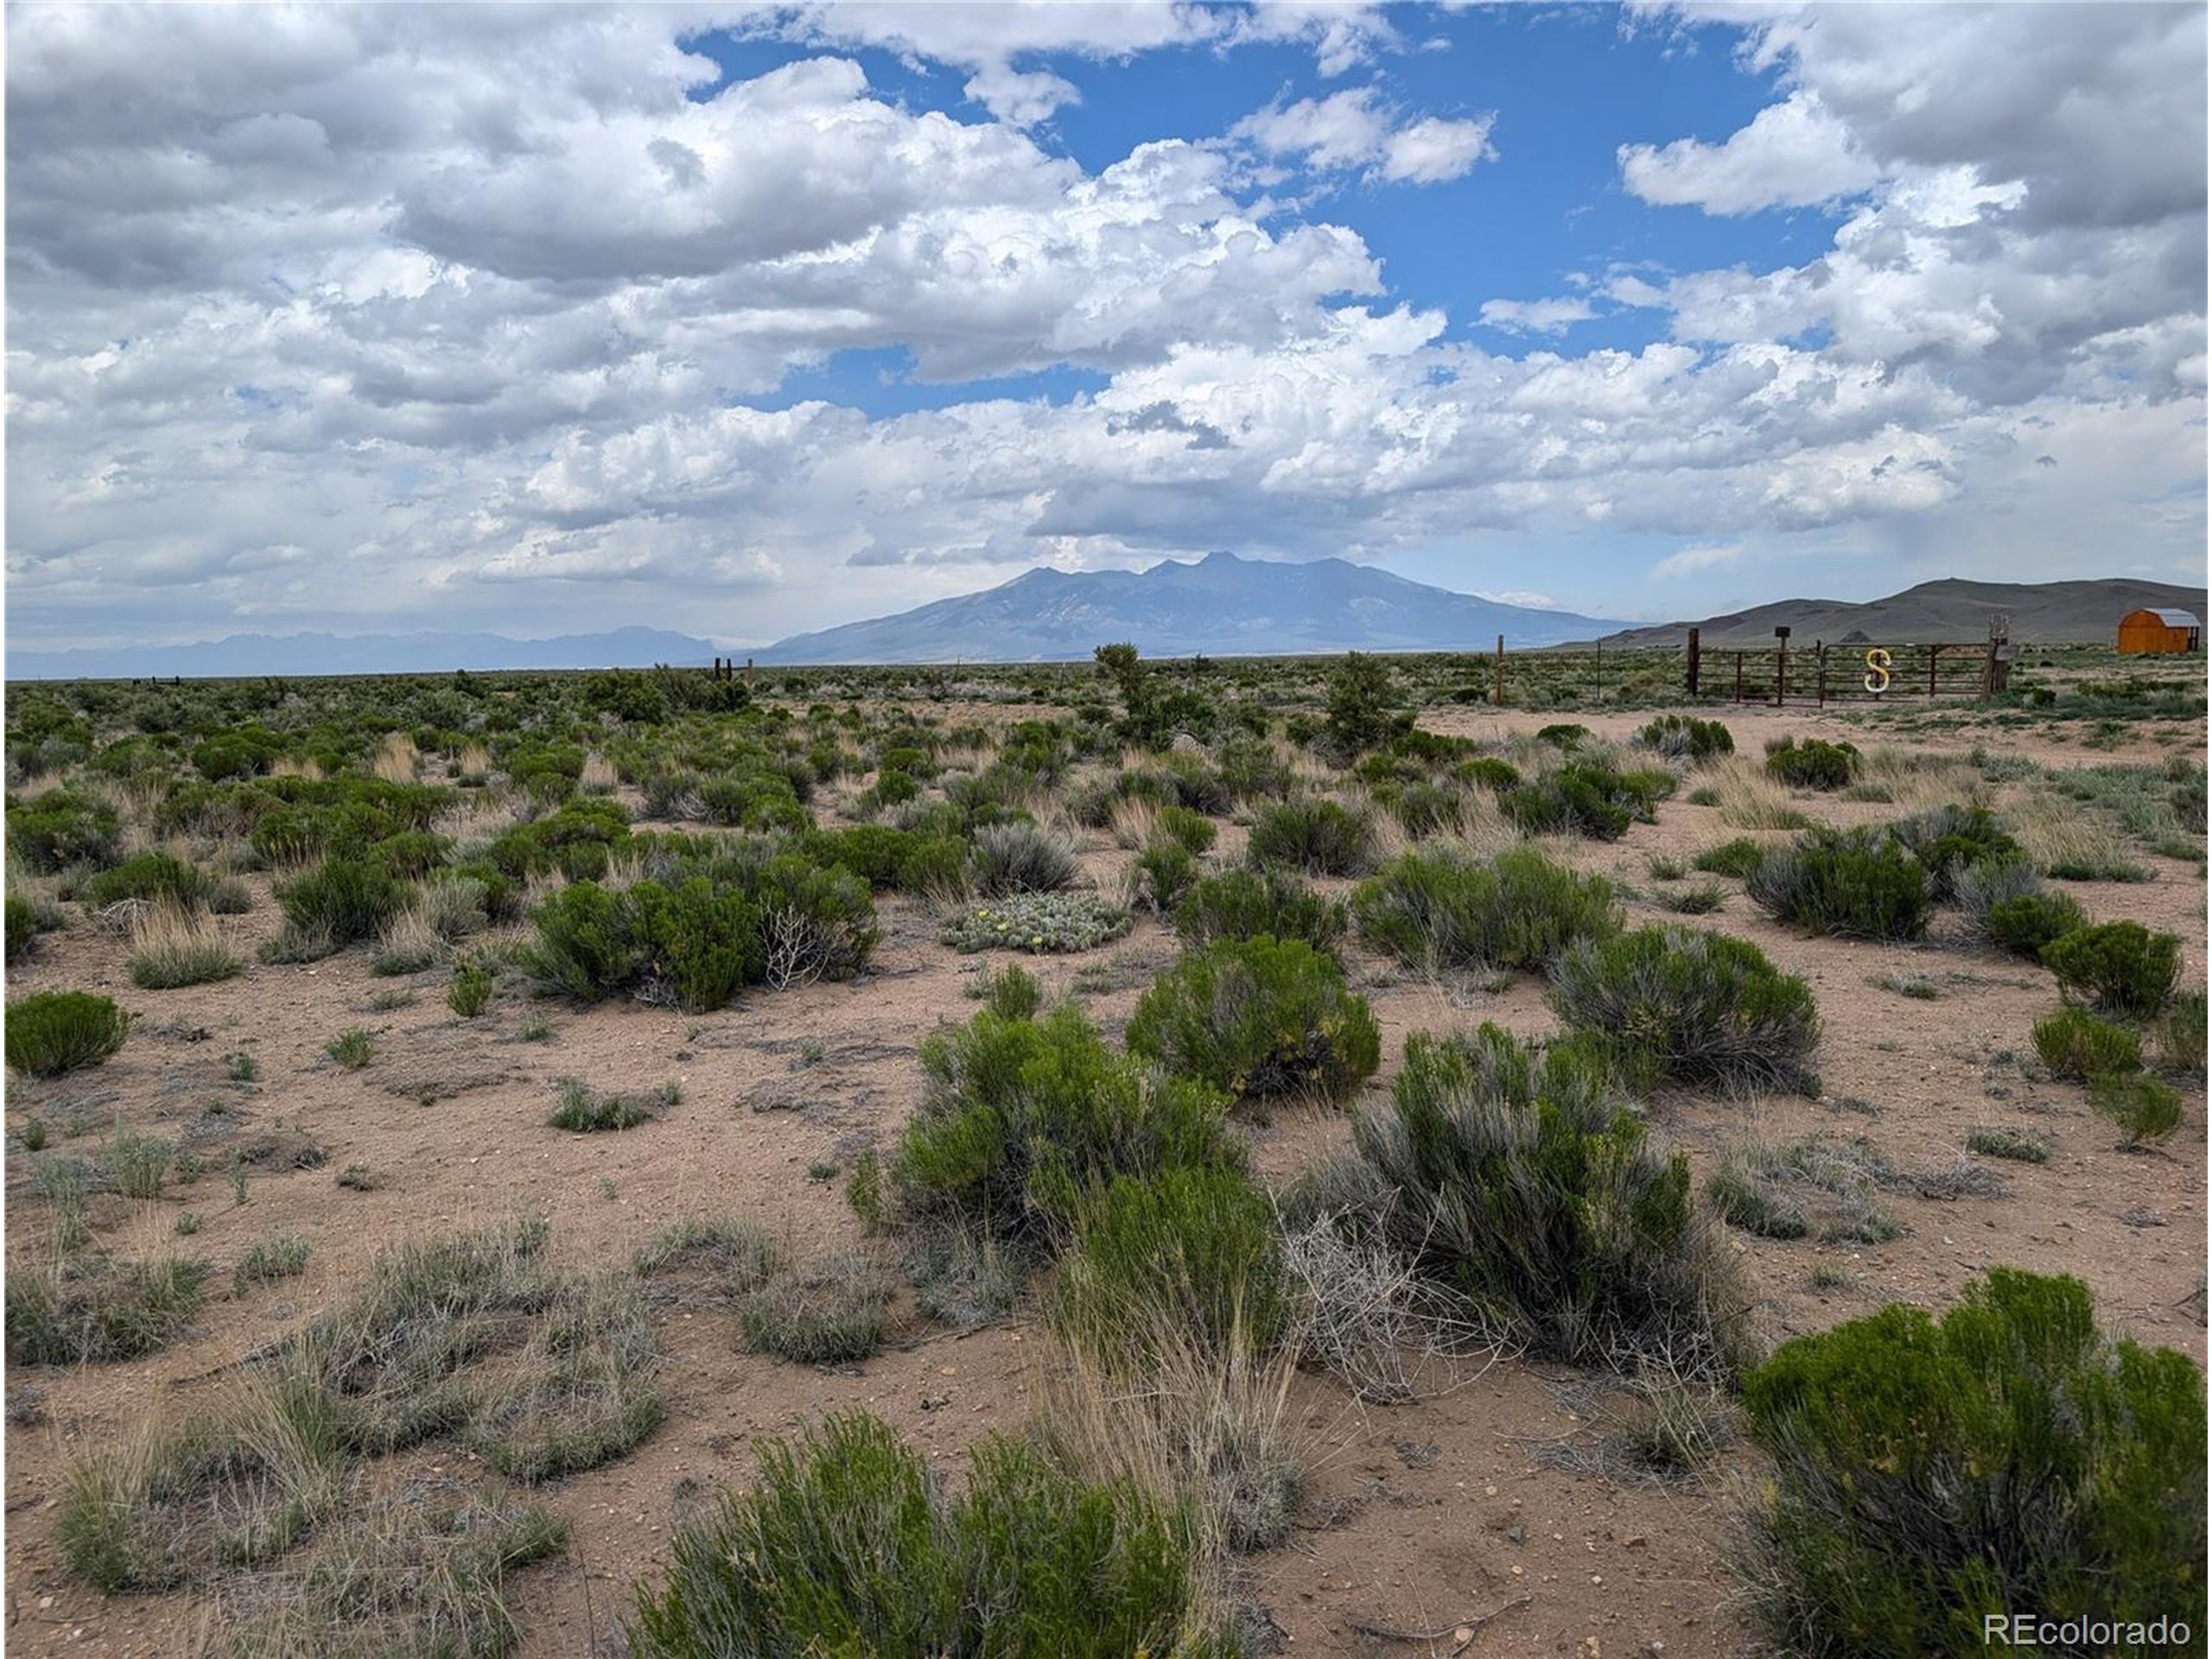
{"points": [[526, 1095]]}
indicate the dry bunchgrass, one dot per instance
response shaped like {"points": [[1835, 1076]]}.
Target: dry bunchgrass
{"points": [[1481, 825], [137, 800], [454, 907], [408, 942], [1122, 885], [598, 777], [173, 946], [953, 758], [1195, 1424], [1748, 798], [625, 869], [397, 760], [2067, 839], [1052, 815], [420, 1571], [1916, 781], [480, 815], [1387, 838], [473, 763], [1134, 821], [291, 767], [241, 1481]]}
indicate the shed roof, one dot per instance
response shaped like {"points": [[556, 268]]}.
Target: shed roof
{"points": [[2172, 619]]}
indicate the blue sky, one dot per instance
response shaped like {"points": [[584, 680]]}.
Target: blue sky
{"points": [[753, 320]]}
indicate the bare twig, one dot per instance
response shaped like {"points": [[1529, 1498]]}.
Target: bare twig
{"points": [[1391, 1633]]}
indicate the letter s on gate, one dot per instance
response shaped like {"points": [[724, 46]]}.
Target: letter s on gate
{"points": [[1878, 671]]}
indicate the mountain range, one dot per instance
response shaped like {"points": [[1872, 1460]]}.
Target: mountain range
{"points": [[362, 653], [2047, 612], [1219, 606]]}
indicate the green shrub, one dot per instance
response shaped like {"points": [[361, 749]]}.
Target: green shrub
{"points": [[341, 901], [234, 754], [2122, 968], [2074, 1043], [350, 1049], [818, 922], [1442, 909], [1584, 798], [1424, 808], [1020, 1118], [148, 876], [577, 841], [1193, 832], [1671, 1005], [2181, 1035], [586, 947], [1258, 1019], [470, 994], [1038, 923], [1563, 734], [1948, 841], [848, 1544], [1488, 772], [1518, 1181], [584, 1111], [1929, 1474], [1686, 734], [873, 852], [2144, 1107], [1011, 993], [57, 1032], [23, 925], [1312, 835], [1167, 868], [700, 941], [1738, 858], [60, 830], [1245, 904], [1019, 857], [1698, 898], [1187, 1250], [1360, 694], [1854, 884], [1813, 764], [936, 868], [2023, 925]]}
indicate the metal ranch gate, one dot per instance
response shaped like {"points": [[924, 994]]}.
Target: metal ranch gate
{"points": [[1861, 672]]}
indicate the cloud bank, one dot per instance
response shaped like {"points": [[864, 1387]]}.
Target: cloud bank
{"points": [[391, 317]]}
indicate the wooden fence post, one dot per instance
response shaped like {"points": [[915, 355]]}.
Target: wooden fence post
{"points": [[1693, 661], [1601, 672], [1820, 674], [1780, 670], [1497, 696], [1739, 676], [748, 673]]}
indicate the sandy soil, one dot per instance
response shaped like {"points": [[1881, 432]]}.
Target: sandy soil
{"points": [[1419, 1515]]}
